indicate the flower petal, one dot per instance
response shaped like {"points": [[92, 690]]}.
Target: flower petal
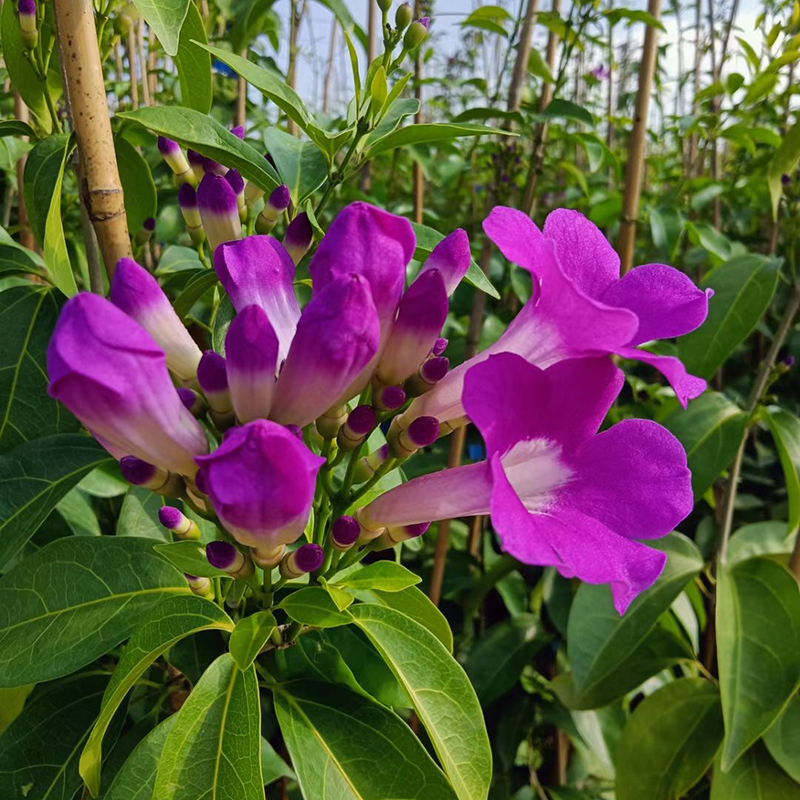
{"points": [[686, 386], [515, 234], [451, 257]]}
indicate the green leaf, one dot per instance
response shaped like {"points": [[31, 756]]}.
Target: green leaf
{"points": [[39, 751], [137, 776], [710, 431], [77, 511], [670, 741], [172, 620], [16, 127], [386, 576], [565, 109], [177, 258], [428, 132], [783, 162], [612, 654], [12, 701], [710, 239], [56, 257], [137, 184], [397, 109], [339, 9], [194, 64], [15, 259], [633, 15], [758, 649], [755, 776], [328, 729], [341, 598], [272, 765], [785, 429], [497, 659], [760, 539], [189, 557], [783, 739], [166, 18], [313, 606], [428, 238], [301, 165], [205, 135], [27, 318], [139, 515], [452, 718], [538, 67], [214, 748], [743, 290], [74, 600], [249, 637], [34, 477], [194, 290], [20, 71]]}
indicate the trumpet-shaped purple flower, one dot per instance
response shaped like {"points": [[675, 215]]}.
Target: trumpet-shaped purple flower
{"points": [[261, 483], [258, 271], [219, 210], [559, 493], [109, 372], [137, 293]]}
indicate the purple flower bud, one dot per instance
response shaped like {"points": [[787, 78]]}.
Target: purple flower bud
{"points": [[213, 379], [192, 400], [344, 533], [389, 398], [107, 369], [196, 163], [27, 23], [238, 131], [428, 375], [251, 346], [368, 465], [261, 483], [200, 586], [138, 472], [235, 179], [425, 22], [167, 146], [211, 167], [278, 201], [451, 257], [417, 33], [439, 346], [219, 210], [423, 431], [149, 224], [361, 421], [401, 533], [176, 521], [786, 179], [788, 362], [307, 558], [137, 293], [224, 556], [176, 160], [298, 237], [187, 199]]}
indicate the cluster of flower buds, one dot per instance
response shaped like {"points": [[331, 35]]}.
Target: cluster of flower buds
{"points": [[250, 438]]}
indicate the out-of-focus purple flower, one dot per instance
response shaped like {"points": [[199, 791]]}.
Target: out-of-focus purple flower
{"points": [[601, 72], [337, 335], [109, 372], [306, 558], [788, 362], [219, 210], [251, 348], [137, 293], [559, 494], [258, 271], [786, 179], [261, 483], [299, 237], [279, 200]]}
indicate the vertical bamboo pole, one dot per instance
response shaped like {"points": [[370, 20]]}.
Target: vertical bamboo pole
{"points": [[365, 180], [152, 77], [417, 176], [26, 239], [294, 24], [633, 174], [118, 67], [326, 80], [142, 62], [241, 98], [100, 187], [693, 166], [523, 55], [131, 53]]}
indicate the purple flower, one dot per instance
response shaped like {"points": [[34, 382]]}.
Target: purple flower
{"points": [[219, 210], [238, 131], [337, 336], [196, 162], [786, 179], [251, 347], [344, 533], [212, 375], [137, 293], [307, 558], [107, 370], [601, 72], [261, 482], [299, 237], [278, 201], [559, 493], [257, 271], [451, 257]]}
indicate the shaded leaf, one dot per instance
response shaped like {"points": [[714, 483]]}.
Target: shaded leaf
{"points": [[249, 636], [166, 18], [194, 64], [755, 776]]}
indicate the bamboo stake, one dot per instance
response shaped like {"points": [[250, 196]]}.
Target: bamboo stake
{"points": [[131, 52], [241, 97], [633, 175], [698, 59], [523, 55], [326, 81], [142, 62], [417, 176], [295, 13], [118, 68], [100, 188], [152, 77], [26, 239]]}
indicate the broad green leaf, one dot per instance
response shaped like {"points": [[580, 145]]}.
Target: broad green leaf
{"points": [[783, 162], [16, 127], [189, 556], [177, 258], [56, 257], [783, 739], [633, 15], [785, 429], [755, 776], [565, 109], [387, 576], [105, 481], [709, 238], [12, 701], [329, 729], [760, 539], [428, 238], [538, 66], [27, 318], [172, 620], [166, 18], [710, 431], [194, 290], [249, 637], [301, 165], [400, 109], [34, 477], [213, 750], [14, 259], [341, 599], [452, 718], [139, 515], [670, 741], [74, 600], [77, 511], [193, 656], [313, 606], [612, 654], [194, 64], [137, 777], [758, 650], [205, 135], [137, 184], [272, 765], [39, 751], [743, 290], [496, 661], [667, 225], [428, 132]]}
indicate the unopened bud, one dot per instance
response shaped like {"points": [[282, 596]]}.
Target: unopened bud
{"points": [[403, 16], [146, 233], [236, 181], [187, 199], [307, 558], [276, 204], [149, 476], [329, 423], [368, 465], [238, 131], [393, 536], [359, 424], [439, 346], [404, 442], [368, 531], [27, 23], [417, 33], [192, 401], [224, 556], [177, 522], [268, 557], [196, 163], [344, 533], [384, 5], [299, 237], [388, 398], [427, 376], [219, 210], [176, 160], [200, 586], [213, 379]]}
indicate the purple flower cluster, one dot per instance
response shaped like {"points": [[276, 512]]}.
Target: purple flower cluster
{"points": [[281, 403]]}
